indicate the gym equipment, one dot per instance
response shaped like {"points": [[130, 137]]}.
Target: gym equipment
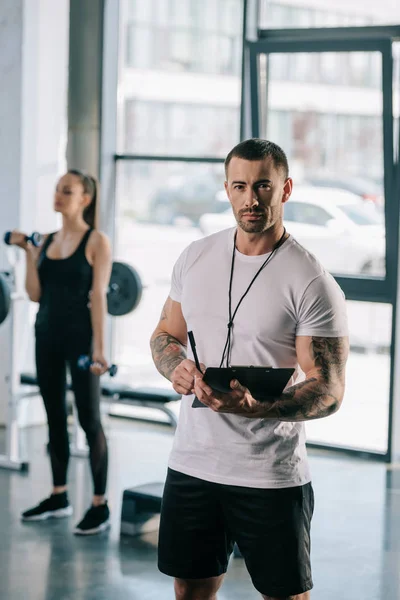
{"points": [[11, 459], [85, 362], [35, 238], [141, 506], [124, 290], [5, 298], [154, 398]]}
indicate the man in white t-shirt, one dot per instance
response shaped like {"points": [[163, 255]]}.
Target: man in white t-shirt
{"points": [[238, 470]]}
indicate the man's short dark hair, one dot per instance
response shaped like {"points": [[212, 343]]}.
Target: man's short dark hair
{"points": [[257, 149]]}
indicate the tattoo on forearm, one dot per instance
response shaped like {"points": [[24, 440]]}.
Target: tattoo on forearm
{"points": [[305, 401], [321, 396], [167, 353]]}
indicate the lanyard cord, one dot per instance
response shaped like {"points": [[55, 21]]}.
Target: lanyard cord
{"points": [[228, 344]]}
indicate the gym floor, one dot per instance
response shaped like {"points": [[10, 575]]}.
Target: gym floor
{"points": [[356, 529]]}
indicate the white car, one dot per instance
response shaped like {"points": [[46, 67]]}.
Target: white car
{"points": [[345, 233]]}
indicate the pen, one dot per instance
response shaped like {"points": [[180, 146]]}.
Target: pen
{"points": [[193, 347]]}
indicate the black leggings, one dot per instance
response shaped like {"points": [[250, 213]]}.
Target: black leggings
{"points": [[53, 353]]}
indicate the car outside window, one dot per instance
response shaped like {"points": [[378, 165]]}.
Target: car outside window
{"points": [[306, 213]]}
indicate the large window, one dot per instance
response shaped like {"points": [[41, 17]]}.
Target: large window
{"points": [[179, 85], [179, 93]]}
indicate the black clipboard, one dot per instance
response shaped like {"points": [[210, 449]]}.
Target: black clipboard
{"points": [[259, 380]]}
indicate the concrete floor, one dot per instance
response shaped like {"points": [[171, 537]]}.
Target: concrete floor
{"points": [[356, 529]]}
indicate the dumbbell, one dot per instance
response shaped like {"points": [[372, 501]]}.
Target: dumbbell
{"points": [[85, 362], [35, 238]]}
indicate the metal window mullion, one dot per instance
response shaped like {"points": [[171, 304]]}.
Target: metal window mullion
{"points": [[391, 201], [392, 190], [254, 91], [166, 158], [249, 34], [291, 46], [108, 140], [338, 33], [365, 290]]}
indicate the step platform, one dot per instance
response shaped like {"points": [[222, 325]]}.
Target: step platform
{"points": [[141, 506]]}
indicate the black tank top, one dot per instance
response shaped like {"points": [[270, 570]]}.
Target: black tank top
{"points": [[65, 285]]}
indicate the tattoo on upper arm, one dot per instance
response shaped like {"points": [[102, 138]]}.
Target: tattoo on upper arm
{"points": [[317, 397], [329, 355]]}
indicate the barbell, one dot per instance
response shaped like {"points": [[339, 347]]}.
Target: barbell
{"points": [[123, 294]]}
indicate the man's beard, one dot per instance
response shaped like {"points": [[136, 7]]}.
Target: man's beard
{"points": [[252, 226]]}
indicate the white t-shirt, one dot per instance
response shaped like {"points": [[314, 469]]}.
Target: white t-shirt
{"points": [[292, 296]]}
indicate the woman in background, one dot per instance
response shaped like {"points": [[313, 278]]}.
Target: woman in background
{"points": [[71, 264]]}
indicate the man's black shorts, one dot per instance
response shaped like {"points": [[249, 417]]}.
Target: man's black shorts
{"points": [[201, 520]]}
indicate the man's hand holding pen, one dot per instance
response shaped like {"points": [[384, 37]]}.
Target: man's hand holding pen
{"points": [[183, 377]]}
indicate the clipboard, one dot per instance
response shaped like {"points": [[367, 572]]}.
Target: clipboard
{"points": [[262, 382]]}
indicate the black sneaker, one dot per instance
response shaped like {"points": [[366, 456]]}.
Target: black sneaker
{"points": [[56, 506], [96, 520]]}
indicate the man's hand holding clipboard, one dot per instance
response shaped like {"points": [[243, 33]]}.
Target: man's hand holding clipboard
{"points": [[238, 390]]}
